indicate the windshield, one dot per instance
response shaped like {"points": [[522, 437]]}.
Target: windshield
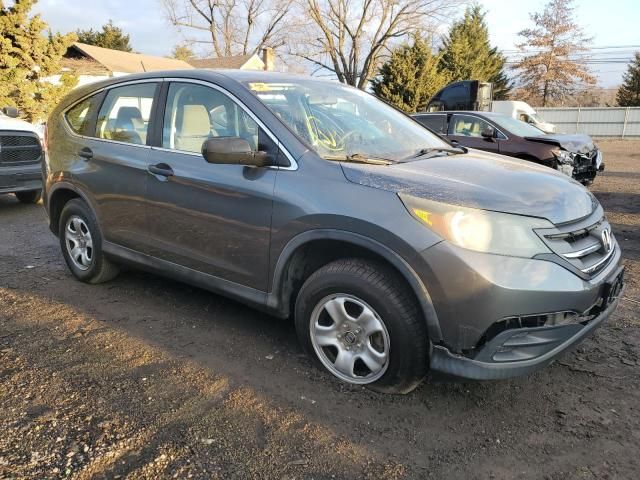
{"points": [[537, 117], [517, 127], [340, 122]]}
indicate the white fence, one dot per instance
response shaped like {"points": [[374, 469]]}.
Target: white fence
{"points": [[621, 122]]}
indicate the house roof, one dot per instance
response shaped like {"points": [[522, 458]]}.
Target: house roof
{"points": [[233, 62], [125, 62]]}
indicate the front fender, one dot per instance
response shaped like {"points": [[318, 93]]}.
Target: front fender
{"points": [[277, 299]]}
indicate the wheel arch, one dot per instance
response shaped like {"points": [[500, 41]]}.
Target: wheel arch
{"points": [[310, 250], [58, 197]]}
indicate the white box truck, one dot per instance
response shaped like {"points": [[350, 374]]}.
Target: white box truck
{"points": [[522, 111]]}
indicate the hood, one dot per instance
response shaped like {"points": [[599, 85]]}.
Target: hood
{"points": [[546, 127], [575, 143], [482, 180], [8, 123]]}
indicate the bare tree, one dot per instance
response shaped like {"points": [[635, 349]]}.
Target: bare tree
{"points": [[553, 65], [233, 26], [349, 38]]}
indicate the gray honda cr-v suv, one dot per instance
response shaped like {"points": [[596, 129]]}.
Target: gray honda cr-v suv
{"points": [[393, 250]]}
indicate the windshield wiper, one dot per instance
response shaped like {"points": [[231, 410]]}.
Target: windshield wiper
{"points": [[360, 158], [431, 151]]}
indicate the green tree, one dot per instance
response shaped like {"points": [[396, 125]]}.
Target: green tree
{"points": [[28, 59], [182, 52], [466, 53], [410, 77], [110, 37], [629, 92]]}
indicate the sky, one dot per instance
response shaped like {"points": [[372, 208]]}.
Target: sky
{"points": [[611, 23]]}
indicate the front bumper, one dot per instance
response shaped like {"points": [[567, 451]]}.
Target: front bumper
{"points": [[519, 351], [22, 178], [587, 166]]}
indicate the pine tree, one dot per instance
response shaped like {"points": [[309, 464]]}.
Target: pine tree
{"points": [[182, 52], [110, 37], [410, 77], [467, 54], [27, 58], [629, 92], [553, 72]]}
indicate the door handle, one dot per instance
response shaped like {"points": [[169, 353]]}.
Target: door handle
{"points": [[86, 153], [161, 169]]}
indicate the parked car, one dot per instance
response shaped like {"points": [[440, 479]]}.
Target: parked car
{"points": [[478, 96], [20, 158], [522, 111], [392, 251], [574, 155]]}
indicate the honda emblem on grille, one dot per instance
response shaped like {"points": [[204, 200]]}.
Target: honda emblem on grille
{"points": [[606, 240]]}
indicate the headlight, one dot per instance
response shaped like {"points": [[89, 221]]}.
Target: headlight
{"points": [[480, 230], [563, 156]]}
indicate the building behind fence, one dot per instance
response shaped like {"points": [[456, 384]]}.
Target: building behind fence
{"points": [[620, 122]]}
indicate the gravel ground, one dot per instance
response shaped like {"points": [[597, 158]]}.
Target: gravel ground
{"points": [[148, 378]]}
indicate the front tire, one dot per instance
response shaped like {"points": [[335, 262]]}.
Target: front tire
{"points": [[81, 243], [29, 196], [358, 321]]}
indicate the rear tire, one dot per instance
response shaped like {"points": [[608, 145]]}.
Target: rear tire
{"points": [[363, 297], [29, 196], [81, 243]]}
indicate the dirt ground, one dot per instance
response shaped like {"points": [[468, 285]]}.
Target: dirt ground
{"points": [[148, 378]]}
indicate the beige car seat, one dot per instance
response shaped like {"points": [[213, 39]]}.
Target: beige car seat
{"points": [[129, 126], [193, 129]]}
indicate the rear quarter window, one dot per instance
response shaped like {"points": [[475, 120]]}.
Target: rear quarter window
{"points": [[79, 117]]}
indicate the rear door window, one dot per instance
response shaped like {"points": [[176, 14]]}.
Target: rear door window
{"points": [[125, 113]]}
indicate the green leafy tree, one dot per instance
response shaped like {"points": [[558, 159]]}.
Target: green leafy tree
{"points": [[182, 52], [466, 54], [28, 59], [110, 37], [629, 92], [410, 77]]}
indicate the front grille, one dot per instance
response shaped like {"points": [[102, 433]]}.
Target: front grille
{"points": [[588, 248], [19, 148], [586, 159]]}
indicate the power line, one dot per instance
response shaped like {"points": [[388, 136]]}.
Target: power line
{"points": [[590, 48]]}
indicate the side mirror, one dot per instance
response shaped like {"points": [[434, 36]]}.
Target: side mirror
{"points": [[11, 112], [233, 151], [488, 133]]}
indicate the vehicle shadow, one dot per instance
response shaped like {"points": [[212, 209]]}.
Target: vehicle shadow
{"points": [[619, 202], [626, 175]]}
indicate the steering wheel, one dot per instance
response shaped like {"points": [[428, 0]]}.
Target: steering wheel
{"points": [[343, 139]]}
